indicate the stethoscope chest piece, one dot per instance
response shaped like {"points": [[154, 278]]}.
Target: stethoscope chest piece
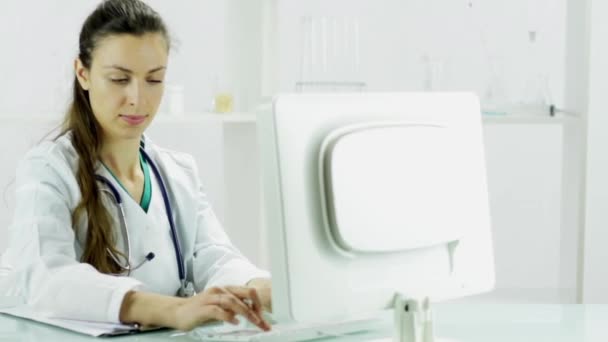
{"points": [[186, 289]]}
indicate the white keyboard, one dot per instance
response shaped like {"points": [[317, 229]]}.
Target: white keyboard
{"points": [[255, 335], [293, 332]]}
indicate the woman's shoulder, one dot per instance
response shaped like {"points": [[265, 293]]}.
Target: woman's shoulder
{"points": [[51, 163], [175, 159], [58, 152]]}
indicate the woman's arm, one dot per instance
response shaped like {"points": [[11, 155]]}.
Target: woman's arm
{"points": [[41, 249], [217, 303], [215, 260], [149, 309]]}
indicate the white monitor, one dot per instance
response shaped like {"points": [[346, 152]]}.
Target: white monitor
{"points": [[367, 195]]}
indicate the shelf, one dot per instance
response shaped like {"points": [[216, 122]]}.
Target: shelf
{"points": [[522, 296], [32, 119], [487, 119], [245, 117], [163, 118], [529, 119], [237, 117]]}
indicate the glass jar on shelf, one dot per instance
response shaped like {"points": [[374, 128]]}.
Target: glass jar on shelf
{"points": [[330, 55]]}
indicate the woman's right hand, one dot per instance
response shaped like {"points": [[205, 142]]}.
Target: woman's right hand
{"points": [[219, 303]]}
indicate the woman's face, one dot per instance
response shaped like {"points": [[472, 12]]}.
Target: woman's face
{"points": [[125, 82]]}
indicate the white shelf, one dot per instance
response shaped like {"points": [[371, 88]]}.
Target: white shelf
{"points": [[529, 119], [240, 117], [487, 119], [245, 117], [522, 296], [31, 119], [237, 117]]}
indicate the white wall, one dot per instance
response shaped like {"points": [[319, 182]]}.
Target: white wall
{"points": [[16, 137], [470, 37], [535, 256], [576, 101], [595, 275], [40, 42], [224, 37], [534, 170]]}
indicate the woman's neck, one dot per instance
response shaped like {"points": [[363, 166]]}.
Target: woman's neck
{"points": [[122, 157]]}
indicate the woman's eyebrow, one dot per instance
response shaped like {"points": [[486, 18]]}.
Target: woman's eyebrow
{"points": [[156, 69], [129, 71]]}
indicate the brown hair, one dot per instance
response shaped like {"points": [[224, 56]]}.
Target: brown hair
{"points": [[111, 17]]}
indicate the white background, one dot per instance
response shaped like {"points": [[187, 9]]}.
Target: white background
{"points": [[255, 48]]}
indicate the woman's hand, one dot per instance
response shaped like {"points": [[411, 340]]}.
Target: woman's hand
{"points": [[264, 288], [223, 304], [216, 303]]}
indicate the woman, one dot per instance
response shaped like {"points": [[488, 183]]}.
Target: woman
{"points": [[70, 254]]}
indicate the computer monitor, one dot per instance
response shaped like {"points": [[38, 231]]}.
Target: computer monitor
{"points": [[369, 195]]}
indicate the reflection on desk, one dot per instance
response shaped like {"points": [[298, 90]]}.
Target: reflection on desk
{"points": [[459, 322]]}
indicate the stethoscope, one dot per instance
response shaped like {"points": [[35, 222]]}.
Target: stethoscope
{"points": [[186, 288]]}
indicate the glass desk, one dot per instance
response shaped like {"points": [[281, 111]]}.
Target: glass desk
{"points": [[453, 322]]}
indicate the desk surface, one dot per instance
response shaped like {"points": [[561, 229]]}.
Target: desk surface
{"points": [[453, 322]]}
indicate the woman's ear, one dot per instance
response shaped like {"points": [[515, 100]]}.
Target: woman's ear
{"points": [[82, 74]]}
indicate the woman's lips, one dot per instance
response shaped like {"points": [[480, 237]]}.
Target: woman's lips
{"points": [[134, 120]]}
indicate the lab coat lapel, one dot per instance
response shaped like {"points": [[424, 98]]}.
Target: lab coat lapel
{"points": [[173, 187], [148, 232], [135, 216]]}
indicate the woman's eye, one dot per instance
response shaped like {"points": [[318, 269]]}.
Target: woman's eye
{"points": [[155, 81], [120, 80]]}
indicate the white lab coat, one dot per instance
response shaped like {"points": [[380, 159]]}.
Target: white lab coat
{"points": [[44, 250]]}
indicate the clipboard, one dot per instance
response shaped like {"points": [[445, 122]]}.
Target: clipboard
{"points": [[90, 328]]}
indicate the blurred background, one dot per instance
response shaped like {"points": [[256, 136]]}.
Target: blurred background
{"points": [[537, 66]]}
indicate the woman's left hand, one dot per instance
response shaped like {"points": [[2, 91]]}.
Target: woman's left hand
{"points": [[263, 287]]}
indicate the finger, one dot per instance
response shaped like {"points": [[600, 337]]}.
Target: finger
{"points": [[228, 301], [206, 314], [251, 298], [248, 295], [242, 294], [220, 314], [215, 290]]}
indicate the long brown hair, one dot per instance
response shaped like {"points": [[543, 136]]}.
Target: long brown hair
{"points": [[109, 18]]}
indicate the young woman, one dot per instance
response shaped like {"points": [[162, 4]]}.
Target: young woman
{"points": [[110, 227]]}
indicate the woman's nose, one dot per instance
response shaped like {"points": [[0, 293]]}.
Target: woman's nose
{"points": [[133, 93]]}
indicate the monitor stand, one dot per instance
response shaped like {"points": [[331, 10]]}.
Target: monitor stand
{"points": [[413, 320]]}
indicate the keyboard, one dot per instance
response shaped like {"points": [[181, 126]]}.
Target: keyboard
{"points": [[287, 332]]}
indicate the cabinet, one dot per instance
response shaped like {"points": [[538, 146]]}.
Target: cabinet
{"points": [[534, 182]]}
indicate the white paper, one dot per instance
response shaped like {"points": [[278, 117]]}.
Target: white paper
{"points": [[10, 301], [84, 327]]}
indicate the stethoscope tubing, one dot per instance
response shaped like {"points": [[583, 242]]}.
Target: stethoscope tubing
{"points": [[176, 242], [168, 209]]}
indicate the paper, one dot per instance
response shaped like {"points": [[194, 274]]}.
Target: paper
{"points": [[10, 301], [84, 327]]}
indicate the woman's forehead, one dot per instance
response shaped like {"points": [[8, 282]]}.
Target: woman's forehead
{"points": [[139, 54]]}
